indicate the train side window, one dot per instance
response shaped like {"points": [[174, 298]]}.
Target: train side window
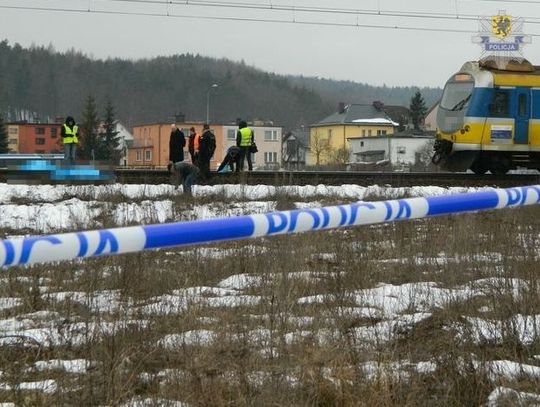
{"points": [[499, 107]]}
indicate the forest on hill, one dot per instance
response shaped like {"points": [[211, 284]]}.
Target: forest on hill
{"points": [[51, 84]]}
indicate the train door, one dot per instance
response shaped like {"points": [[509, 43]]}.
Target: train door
{"points": [[522, 115]]}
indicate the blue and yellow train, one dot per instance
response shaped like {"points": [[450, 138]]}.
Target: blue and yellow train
{"points": [[489, 118]]}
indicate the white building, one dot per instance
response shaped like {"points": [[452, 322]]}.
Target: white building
{"points": [[398, 150]]}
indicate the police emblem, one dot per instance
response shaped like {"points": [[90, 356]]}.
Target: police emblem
{"points": [[501, 26]]}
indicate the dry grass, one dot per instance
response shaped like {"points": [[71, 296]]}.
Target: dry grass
{"points": [[278, 350]]}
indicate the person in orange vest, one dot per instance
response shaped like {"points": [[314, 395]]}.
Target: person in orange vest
{"points": [[70, 138], [193, 145]]}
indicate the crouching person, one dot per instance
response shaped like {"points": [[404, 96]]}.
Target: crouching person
{"points": [[232, 159], [188, 174]]}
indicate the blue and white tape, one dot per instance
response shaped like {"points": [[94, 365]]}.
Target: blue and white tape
{"points": [[69, 246]]}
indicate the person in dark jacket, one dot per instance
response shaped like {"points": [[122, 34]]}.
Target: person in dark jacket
{"points": [[232, 159], [207, 146], [177, 143], [244, 139], [188, 174], [70, 138]]}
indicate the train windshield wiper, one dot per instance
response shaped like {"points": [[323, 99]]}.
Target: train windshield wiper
{"points": [[461, 104]]}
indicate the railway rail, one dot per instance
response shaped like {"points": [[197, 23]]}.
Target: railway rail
{"points": [[279, 178], [395, 179]]}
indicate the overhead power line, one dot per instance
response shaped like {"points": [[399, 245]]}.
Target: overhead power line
{"points": [[314, 10], [270, 7]]}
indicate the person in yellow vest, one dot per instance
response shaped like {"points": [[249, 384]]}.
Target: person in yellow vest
{"points": [[70, 137], [245, 139]]}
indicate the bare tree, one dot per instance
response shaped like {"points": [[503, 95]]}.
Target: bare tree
{"points": [[341, 155], [320, 148]]}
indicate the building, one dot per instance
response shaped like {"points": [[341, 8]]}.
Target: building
{"points": [[329, 138], [35, 138], [430, 121], [150, 146], [400, 150], [268, 138], [295, 149]]}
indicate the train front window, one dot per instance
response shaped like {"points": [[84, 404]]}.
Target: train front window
{"points": [[454, 102], [456, 95]]}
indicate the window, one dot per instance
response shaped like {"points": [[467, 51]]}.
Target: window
{"points": [[54, 132], [369, 133], [370, 156], [271, 135], [40, 141], [12, 141], [13, 130], [381, 132], [40, 130], [138, 156], [329, 134], [231, 134], [147, 155], [364, 133], [499, 107], [270, 157]]}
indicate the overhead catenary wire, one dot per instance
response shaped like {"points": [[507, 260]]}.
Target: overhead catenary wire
{"points": [[274, 7], [312, 10]]}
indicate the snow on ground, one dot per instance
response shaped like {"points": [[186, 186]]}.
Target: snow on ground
{"points": [[389, 310], [46, 208]]}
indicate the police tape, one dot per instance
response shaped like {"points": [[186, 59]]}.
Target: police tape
{"points": [[69, 246]]}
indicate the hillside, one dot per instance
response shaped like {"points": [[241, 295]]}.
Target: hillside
{"points": [[353, 92], [53, 84]]}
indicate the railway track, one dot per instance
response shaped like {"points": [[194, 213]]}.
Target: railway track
{"points": [[395, 179], [278, 178]]}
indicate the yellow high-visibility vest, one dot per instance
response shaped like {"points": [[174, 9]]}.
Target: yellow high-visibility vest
{"points": [[71, 135], [245, 137]]}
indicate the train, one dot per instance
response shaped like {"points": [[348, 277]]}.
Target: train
{"points": [[489, 117]]}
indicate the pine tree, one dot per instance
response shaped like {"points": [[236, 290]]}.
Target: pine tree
{"points": [[108, 136], [418, 109], [89, 143], [4, 142]]}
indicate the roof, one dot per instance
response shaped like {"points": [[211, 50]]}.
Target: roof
{"points": [[357, 114], [399, 114]]}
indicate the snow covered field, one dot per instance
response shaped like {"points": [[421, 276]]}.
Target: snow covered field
{"points": [[435, 312]]}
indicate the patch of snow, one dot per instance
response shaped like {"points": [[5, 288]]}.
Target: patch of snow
{"points": [[9, 302], [503, 396], [75, 366]]}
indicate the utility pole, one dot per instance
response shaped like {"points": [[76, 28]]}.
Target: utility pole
{"points": [[215, 85]]}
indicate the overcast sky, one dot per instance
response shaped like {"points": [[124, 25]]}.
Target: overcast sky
{"points": [[322, 48]]}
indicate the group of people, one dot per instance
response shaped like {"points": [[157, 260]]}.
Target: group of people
{"points": [[201, 149]]}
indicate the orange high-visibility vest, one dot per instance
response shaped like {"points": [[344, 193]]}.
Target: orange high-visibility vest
{"points": [[196, 142]]}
